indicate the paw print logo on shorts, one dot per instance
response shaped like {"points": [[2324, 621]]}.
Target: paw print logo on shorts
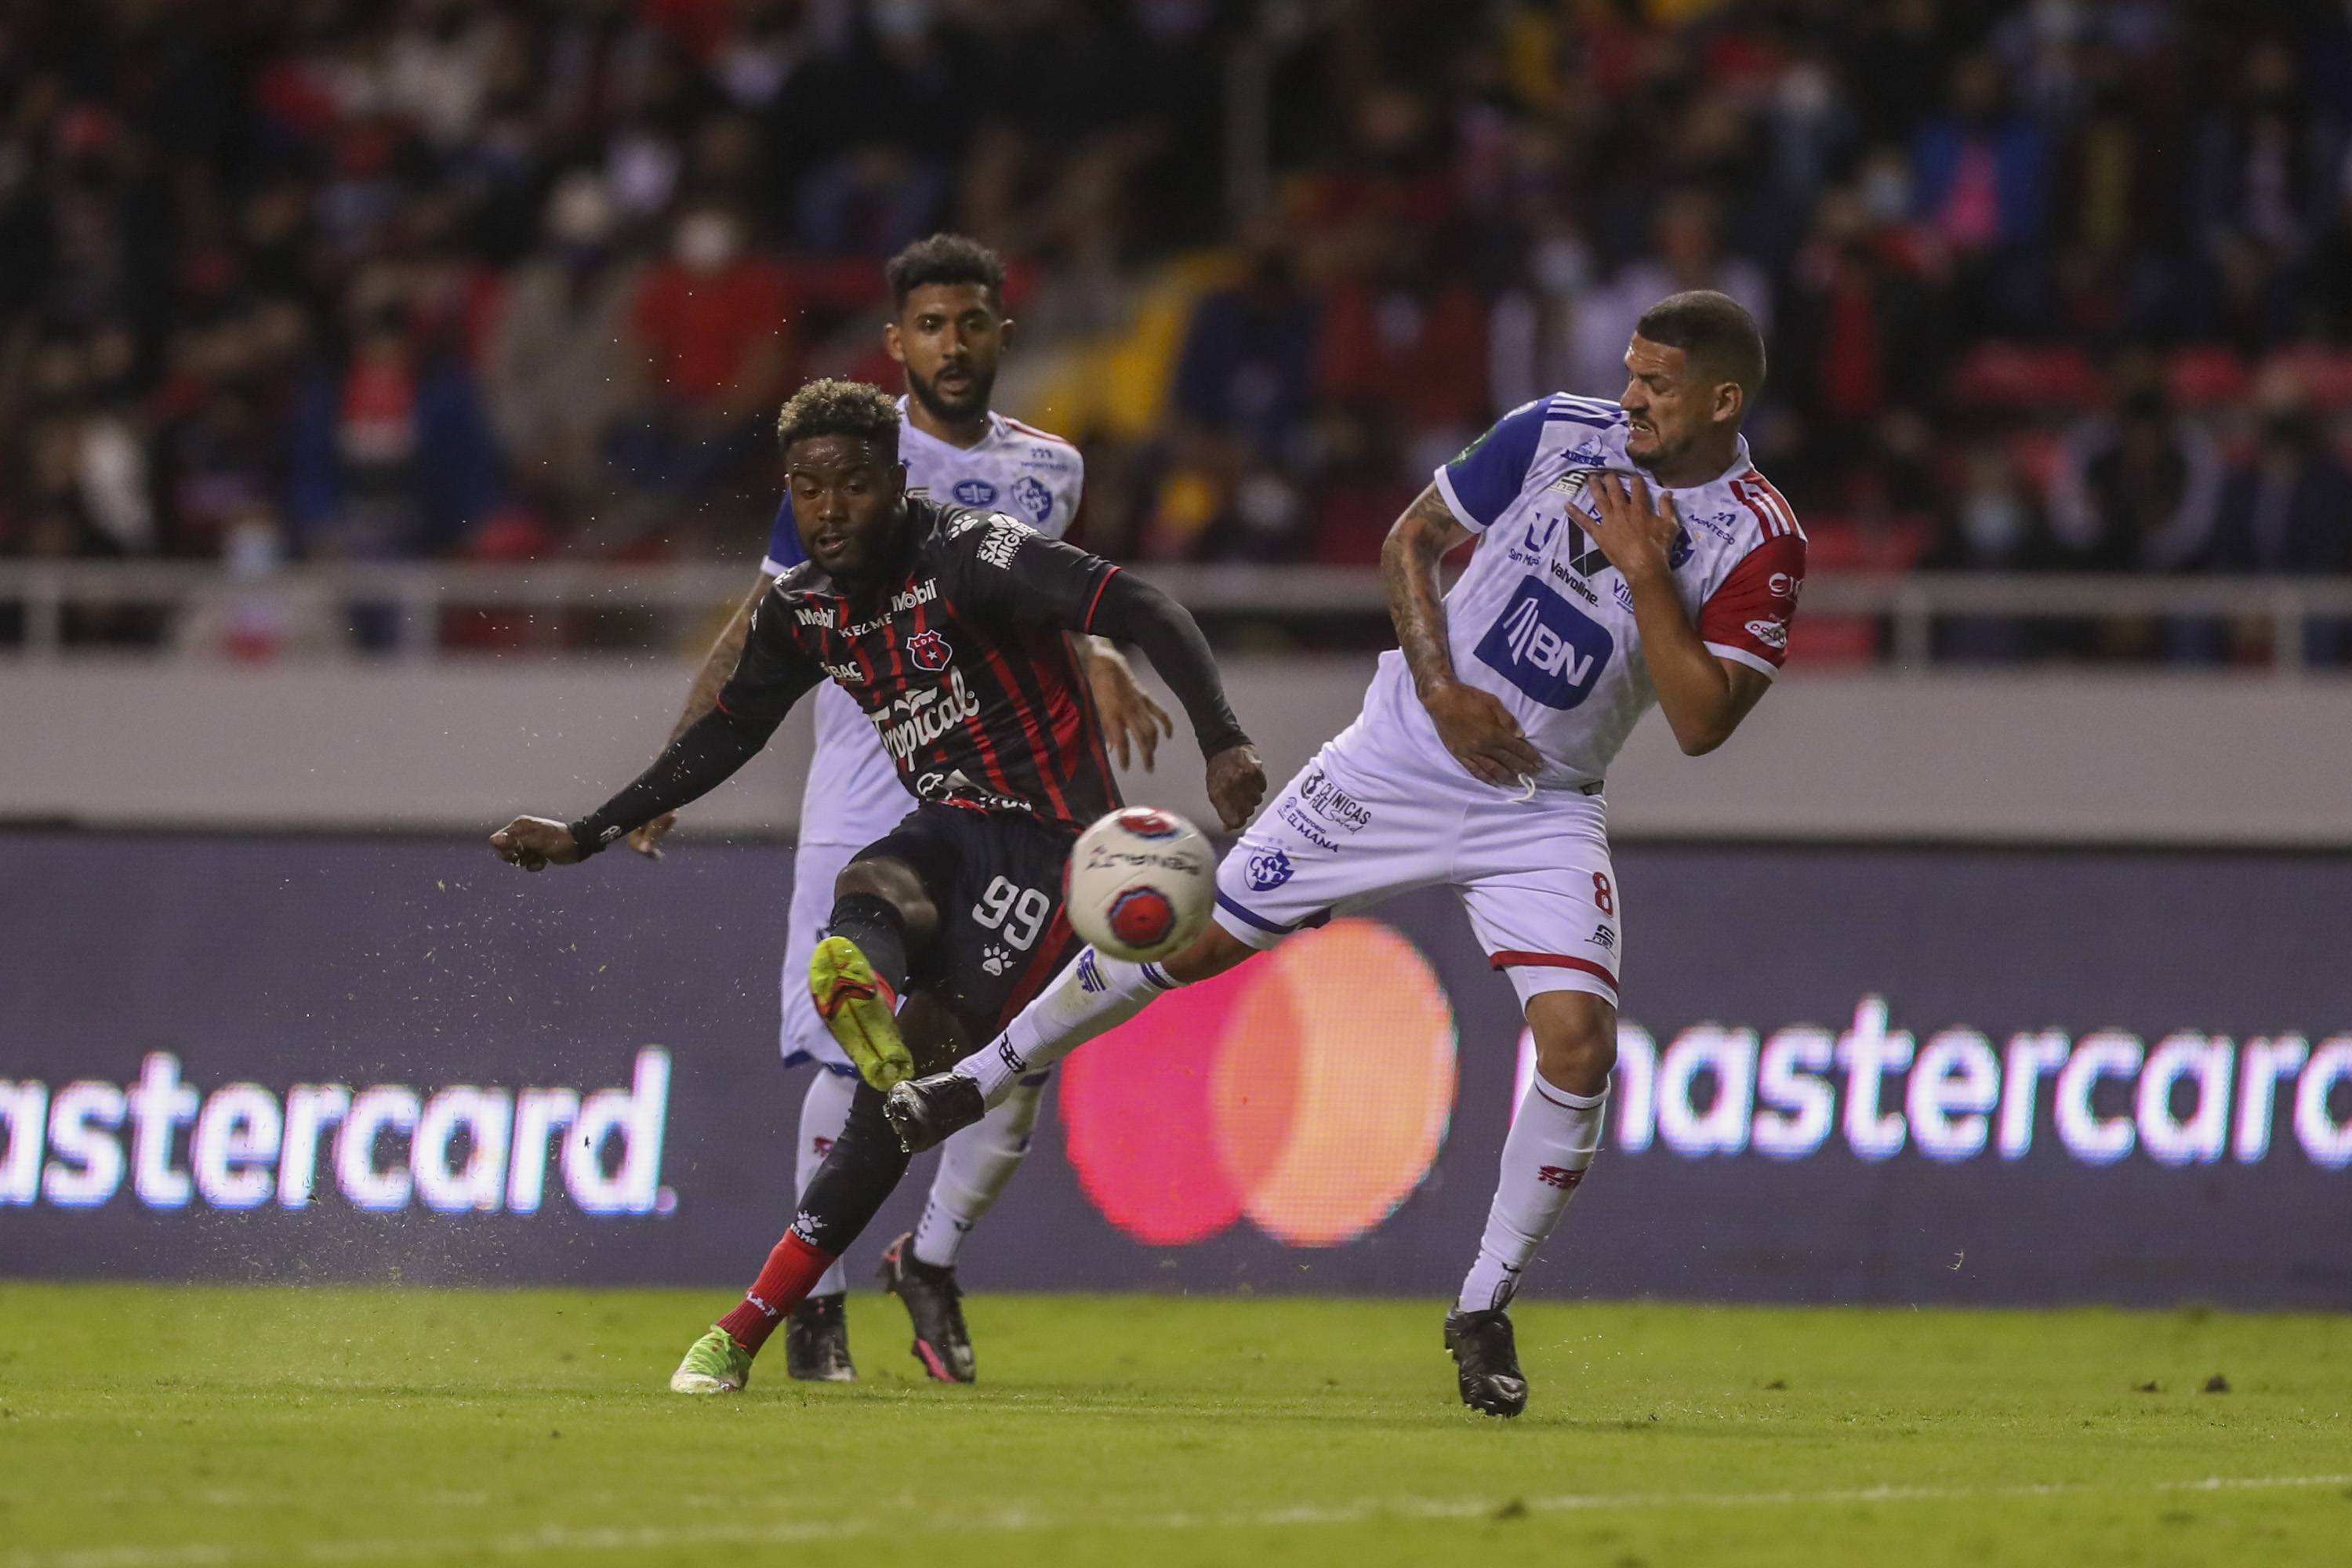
{"points": [[995, 959]]}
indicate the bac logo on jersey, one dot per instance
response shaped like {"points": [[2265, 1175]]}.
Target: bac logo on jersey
{"points": [[928, 650], [975, 492], [1033, 498], [1546, 647]]}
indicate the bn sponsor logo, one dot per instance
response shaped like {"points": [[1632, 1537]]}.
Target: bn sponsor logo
{"points": [[1546, 647]]}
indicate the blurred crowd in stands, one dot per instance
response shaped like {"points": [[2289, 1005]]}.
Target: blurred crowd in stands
{"points": [[2051, 284]]}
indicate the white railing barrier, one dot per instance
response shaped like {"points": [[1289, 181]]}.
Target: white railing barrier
{"points": [[203, 599]]}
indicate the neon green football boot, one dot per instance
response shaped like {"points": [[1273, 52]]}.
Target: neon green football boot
{"points": [[716, 1364], [856, 1006]]}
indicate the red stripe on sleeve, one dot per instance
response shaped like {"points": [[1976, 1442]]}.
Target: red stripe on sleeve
{"points": [[1096, 602]]}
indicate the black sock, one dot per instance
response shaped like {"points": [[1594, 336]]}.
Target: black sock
{"points": [[858, 1172], [875, 924]]}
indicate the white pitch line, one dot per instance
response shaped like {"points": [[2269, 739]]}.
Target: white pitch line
{"points": [[625, 1538]]}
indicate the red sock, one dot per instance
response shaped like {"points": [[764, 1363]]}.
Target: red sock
{"points": [[784, 1284]]}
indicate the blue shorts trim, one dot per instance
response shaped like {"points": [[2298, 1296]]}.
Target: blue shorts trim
{"points": [[838, 1069], [1236, 909]]}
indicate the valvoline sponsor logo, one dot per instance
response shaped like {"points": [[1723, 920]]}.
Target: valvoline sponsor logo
{"points": [[1546, 647]]}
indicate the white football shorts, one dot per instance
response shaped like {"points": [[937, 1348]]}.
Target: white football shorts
{"points": [[805, 1039], [1353, 829]]}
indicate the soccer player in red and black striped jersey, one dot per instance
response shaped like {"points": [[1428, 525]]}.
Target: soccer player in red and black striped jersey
{"points": [[947, 627]]}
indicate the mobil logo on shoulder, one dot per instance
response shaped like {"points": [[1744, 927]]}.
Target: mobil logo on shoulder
{"points": [[1546, 647]]}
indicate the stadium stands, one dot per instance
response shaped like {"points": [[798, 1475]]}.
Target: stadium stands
{"points": [[2051, 286]]}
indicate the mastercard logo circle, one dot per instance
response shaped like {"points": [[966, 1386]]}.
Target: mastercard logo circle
{"points": [[1308, 1090]]}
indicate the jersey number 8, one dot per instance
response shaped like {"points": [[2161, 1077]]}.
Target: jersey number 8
{"points": [[1021, 912]]}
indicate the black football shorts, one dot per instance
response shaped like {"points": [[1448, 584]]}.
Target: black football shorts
{"points": [[997, 878]]}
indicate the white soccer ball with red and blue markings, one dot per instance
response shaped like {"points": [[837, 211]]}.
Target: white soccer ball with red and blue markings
{"points": [[1141, 884]]}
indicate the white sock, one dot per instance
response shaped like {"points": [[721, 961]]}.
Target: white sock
{"points": [[1550, 1147], [824, 1112], [974, 1167], [1091, 997]]}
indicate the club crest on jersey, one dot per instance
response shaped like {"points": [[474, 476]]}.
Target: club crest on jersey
{"points": [[1546, 647], [928, 650], [1268, 869], [975, 492], [1033, 498]]}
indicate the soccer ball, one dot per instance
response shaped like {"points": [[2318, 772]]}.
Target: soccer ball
{"points": [[1140, 884]]}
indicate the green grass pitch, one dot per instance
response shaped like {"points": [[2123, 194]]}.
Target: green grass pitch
{"points": [[142, 1426]]}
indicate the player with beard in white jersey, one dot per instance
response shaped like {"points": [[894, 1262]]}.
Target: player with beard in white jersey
{"points": [[948, 329], [1628, 554]]}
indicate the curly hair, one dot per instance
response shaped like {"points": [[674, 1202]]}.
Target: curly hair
{"points": [[945, 259], [829, 407]]}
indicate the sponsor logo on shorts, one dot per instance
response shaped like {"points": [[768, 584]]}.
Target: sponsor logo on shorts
{"points": [[1546, 646], [1781, 586], [1772, 634], [928, 650], [1603, 938], [1326, 800], [1302, 824], [994, 959], [1268, 869], [975, 492]]}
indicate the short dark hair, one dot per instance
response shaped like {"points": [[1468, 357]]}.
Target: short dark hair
{"points": [[945, 259], [1715, 330], [829, 407]]}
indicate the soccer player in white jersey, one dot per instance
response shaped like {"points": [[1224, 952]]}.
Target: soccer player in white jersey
{"points": [[1628, 554], [947, 330]]}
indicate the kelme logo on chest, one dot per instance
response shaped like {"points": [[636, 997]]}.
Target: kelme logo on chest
{"points": [[1546, 647]]}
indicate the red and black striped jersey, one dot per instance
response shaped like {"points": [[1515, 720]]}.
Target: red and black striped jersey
{"points": [[959, 658]]}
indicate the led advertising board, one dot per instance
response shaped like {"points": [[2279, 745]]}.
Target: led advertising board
{"points": [[1868, 1074]]}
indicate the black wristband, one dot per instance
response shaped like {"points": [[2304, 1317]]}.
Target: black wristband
{"points": [[592, 839], [1224, 742]]}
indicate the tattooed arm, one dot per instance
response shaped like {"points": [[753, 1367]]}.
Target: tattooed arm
{"points": [[1473, 724]]}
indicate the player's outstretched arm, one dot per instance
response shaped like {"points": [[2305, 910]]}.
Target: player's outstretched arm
{"points": [[535, 843], [1475, 725], [1134, 611], [701, 698], [706, 756], [1703, 697], [1132, 722], [773, 675]]}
